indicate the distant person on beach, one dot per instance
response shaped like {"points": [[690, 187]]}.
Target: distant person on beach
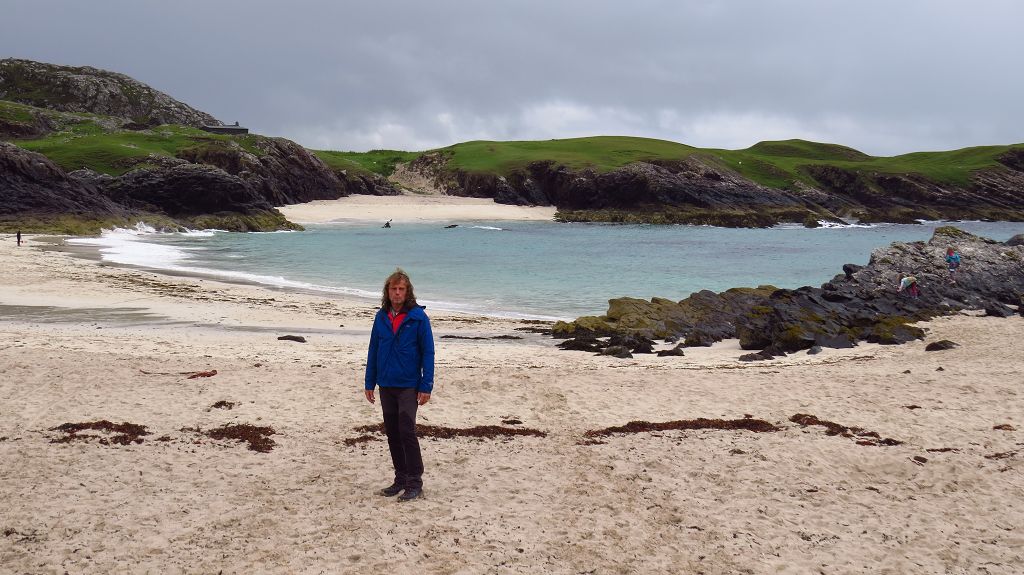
{"points": [[401, 361], [953, 261], [387, 224], [909, 284], [19, 237]]}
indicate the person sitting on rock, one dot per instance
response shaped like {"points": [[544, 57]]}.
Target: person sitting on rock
{"points": [[953, 261], [909, 284]]}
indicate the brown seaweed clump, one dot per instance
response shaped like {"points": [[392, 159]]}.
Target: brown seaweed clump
{"points": [[258, 438], [863, 436], [478, 432], [748, 424], [123, 433]]}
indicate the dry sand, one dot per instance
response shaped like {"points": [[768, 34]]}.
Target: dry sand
{"points": [[82, 342], [411, 208]]}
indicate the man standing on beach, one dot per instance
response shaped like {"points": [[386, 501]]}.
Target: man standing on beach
{"points": [[19, 237], [401, 361]]}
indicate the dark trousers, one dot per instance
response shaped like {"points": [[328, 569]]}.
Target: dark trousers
{"points": [[399, 407]]}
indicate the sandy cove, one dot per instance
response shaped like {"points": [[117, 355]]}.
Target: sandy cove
{"points": [[82, 342], [411, 208]]}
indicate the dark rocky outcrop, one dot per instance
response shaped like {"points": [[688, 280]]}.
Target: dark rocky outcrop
{"points": [[690, 190], [711, 315], [282, 173], [698, 190], [941, 345], [87, 89], [34, 188], [861, 304]]}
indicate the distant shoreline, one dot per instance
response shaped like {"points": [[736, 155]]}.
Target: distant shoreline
{"points": [[411, 208]]}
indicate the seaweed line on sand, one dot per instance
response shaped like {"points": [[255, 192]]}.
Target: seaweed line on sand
{"points": [[440, 432], [125, 433], [258, 438]]}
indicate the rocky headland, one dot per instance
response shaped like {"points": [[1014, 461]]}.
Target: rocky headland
{"points": [[860, 304], [699, 189], [226, 182], [106, 135]]}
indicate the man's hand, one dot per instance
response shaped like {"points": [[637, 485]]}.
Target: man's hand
{"points": [[369, 395], [422, 398]]}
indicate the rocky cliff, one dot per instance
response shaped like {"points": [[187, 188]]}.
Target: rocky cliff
{"points": [[698, 190], [35, 188], [203, 180], [860, 304], [86, 89]]}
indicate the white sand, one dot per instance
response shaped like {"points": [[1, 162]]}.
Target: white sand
{"points": [[793, 501], [411, 208]]}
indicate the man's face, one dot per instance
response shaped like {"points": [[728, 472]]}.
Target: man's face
{"points": [[396, 293]]}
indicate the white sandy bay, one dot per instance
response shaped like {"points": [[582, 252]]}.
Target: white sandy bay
{"points": [[411, 208], [792, 501]]}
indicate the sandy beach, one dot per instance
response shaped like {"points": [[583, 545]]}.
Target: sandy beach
{"points": [[411, 208], [82, 342]]}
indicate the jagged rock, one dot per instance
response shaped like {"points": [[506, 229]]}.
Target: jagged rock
{"points": [[618, 351], [675, 351], [1017, 240], [759, 356], [636, 343], [941, 345], [185, 190], [32, 185], [694, 191], [699, 337], [999, 310], [87, 89], [860, 304], [581, 344]]}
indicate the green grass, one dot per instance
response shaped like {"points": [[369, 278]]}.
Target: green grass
{"points": [[601, 153], [14, 112], [381, 162], [778, 164], [87, 144], [84, 142]]}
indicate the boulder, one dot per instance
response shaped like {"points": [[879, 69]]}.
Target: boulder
{"points": [[675, 351], [941, 345]]}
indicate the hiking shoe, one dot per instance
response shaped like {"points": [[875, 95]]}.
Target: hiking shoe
{"points": [[391, 490], [410, 494]]}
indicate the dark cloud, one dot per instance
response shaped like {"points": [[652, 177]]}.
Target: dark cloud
{"points": [[885, 77]]}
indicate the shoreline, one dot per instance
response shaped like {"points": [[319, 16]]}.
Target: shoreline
{"points": [[711, 500], [411, 208]]}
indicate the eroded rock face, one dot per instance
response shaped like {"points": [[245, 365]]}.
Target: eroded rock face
{"points": [[284, 172], [87, 89], [184, 190], [861, 304], [692, 190], [32, 185]]}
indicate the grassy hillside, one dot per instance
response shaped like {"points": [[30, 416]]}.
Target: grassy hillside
{"points": [[381, 162], [602, 153], [774, 164], [90, 141]]}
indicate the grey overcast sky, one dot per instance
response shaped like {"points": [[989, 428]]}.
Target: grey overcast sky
{"points": [[884, 76]]}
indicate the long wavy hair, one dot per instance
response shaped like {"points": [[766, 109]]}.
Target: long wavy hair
{"points": [[410, 295]]}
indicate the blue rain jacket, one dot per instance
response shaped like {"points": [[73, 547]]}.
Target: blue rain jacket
{"points": [[404, 358]]}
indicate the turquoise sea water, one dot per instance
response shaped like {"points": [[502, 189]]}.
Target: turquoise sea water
{"points": [[523, 269]]}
